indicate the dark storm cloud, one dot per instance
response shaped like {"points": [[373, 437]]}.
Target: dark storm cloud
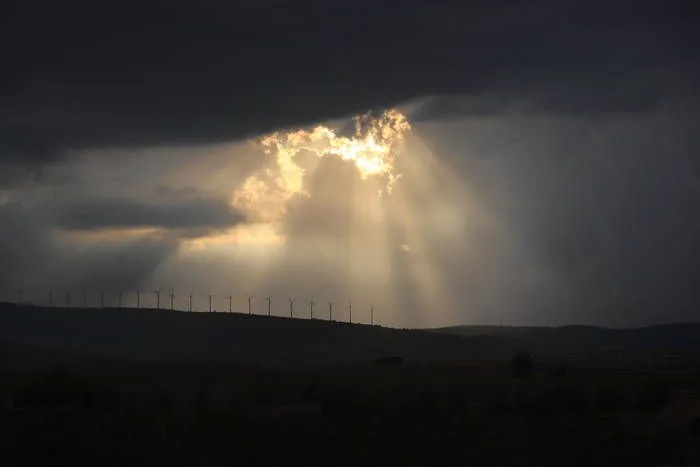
{"points": [[139, 73], [634, 97], [91, 214]]}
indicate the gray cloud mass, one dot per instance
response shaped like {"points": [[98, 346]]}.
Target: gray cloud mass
{"points": [[92, 214]]}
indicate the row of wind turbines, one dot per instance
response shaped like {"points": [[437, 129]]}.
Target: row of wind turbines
{"points": [[118, 296]]}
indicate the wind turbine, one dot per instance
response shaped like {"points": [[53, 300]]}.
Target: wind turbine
{"points": [[230, 299], [311, 308], [67, 298], [119, 299], [371, 315], [138, 299], [20, 296], [102, 299], [330, 311], [189, 301], [210, 303], [291, 307], [172, 299], [250, 304], [350, 310], [268, 299], [157, 294]]}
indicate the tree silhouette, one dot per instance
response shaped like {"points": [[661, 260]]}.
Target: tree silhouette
{"points": [[523, 364]]}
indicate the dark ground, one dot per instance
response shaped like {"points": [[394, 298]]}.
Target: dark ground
{"points": [[148, 387]]}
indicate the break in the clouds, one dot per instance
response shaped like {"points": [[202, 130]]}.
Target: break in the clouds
{"points": [[550, 173]]}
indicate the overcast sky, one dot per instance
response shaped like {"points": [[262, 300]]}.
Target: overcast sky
{"points": [[550, 175]]}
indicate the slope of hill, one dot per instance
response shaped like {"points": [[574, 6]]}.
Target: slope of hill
{"points": [[149, 335], [36, 336]]}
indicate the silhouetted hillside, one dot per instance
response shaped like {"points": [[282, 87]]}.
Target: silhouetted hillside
{"points": [[39, 336], [148, 335]]}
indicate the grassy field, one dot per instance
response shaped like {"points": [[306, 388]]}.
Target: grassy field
{"points": [[476, 414]]}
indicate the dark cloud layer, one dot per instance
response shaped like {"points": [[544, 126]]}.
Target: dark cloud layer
{"points": [[91, 214], [37, 251], [635, 97], [140, 73]]}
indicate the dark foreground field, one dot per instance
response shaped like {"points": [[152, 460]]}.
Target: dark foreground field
{"points": [[149, 387], [406, 415]]}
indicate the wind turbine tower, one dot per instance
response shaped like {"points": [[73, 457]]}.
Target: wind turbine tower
{"points": [[67, 298], [230, 299], [157, 294], [138, 299], [20, 296], [102, 299], [250, 304], [291, 307], [50, 297], [210, 303], [172, 299], [268, 299], [330, 311], [119, 299], [371, 315], [311, 308], [189, 301], [350, 310]]}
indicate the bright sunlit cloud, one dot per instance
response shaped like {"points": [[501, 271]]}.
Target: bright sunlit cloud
{"points": [[373, 148]]}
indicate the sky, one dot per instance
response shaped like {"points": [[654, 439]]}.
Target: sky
{"points": [[495, 162]]}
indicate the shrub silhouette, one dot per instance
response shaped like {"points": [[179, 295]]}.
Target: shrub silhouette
{"points": [[523, 364]]}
